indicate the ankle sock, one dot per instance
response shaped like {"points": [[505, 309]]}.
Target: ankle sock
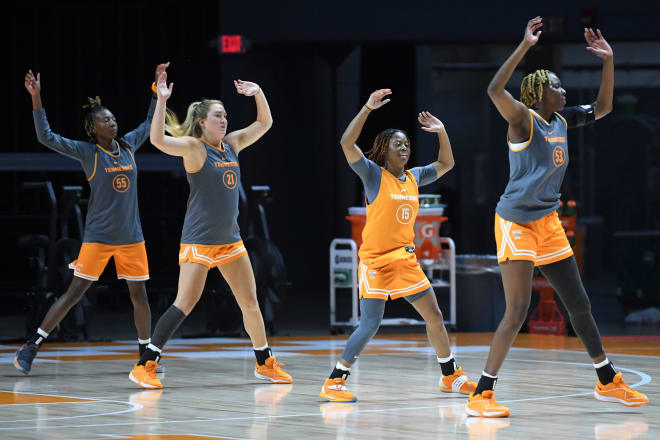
{"points": [[262, 353], [340, 371], [486, 382], [605, 371], [447, 365], [38, 338]]}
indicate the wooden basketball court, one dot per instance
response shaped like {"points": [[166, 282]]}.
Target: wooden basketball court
{"points": [[82, 391]]}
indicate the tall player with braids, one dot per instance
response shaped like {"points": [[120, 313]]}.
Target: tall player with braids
{"points": [[527, 228], [112, 227], [388, 266], [210, 236]]}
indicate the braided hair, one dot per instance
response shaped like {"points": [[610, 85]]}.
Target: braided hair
{"points": [[531, 89], [381, 144], [93, 107]]}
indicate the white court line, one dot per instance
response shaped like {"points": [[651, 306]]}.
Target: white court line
{"points": [[134, 407], [645, 378]]}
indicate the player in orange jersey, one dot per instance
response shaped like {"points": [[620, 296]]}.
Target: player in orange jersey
{"points": [[388, 266]]}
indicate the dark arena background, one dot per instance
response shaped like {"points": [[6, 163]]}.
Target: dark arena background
{"points": [[317, 63]]}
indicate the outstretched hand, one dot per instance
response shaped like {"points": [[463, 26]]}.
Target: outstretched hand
{"points": [[164, 92], [376, 99], [246, 88], [32, 84], [430, 123], [597, 44], [160, 69], [531, 34]]}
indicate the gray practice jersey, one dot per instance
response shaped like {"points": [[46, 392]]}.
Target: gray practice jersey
{"points": [[370, 174], [112, 214], [212, 214], [537, 168]]}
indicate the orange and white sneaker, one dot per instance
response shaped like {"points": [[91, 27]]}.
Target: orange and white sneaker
{"points": [[335, 390], [145, 375], [484, 405], [618, 391], [456, 383], [272, 372]]}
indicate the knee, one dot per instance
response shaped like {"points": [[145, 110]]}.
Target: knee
{"points": [[248, 303], [186, 302], [516, 314], [71, 298], [581, 306], [139, 295], [369, 326], [435, 319]]}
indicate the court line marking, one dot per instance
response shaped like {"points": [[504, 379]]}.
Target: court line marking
{"points": [[645, 378], [134, 407]]}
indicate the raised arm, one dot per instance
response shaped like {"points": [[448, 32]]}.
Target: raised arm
{"points": [[599, 47], [174, 146], [431, 124], [510, 108], [68, 147], [348, 140], [136, 138], [247, 136]]}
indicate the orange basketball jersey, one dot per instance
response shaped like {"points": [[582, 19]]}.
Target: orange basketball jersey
{"points": [[390, 221]]}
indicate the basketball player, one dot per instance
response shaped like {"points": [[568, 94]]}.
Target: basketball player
{"points": [[388, 265], [528, 231], [112, 227], [210, 236]]}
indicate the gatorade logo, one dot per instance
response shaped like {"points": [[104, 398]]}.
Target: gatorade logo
{"points": [[428, 230], [230, 179], [121, 183], [558, 156]]}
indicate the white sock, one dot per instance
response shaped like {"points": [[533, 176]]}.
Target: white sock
{"points": [[260, 348], [144, 341], [447, 359], [341, 367], [488, 375], [43, 335], [602, 364], [152, 347]]}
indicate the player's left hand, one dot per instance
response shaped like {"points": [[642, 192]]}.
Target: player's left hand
{"points": [[430, 123], [246, 88], [597, 44]]}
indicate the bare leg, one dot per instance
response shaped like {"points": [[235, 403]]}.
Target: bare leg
{"points": [[240, 278], [517, 280], [427, 307], [192, 277], [64, 303], [141, 310]]}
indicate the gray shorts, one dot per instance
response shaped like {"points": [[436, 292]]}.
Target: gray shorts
{"points": [[415, 296]]}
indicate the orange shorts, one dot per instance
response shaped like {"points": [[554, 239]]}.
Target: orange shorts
{"points": [[542, 241], [399, 278], [211, 255], [130, 261]]}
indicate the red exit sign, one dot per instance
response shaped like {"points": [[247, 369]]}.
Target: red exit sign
{"points": [[232, 44]]}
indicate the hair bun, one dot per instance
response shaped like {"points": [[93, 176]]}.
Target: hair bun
{"points": [[93, 102]]}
